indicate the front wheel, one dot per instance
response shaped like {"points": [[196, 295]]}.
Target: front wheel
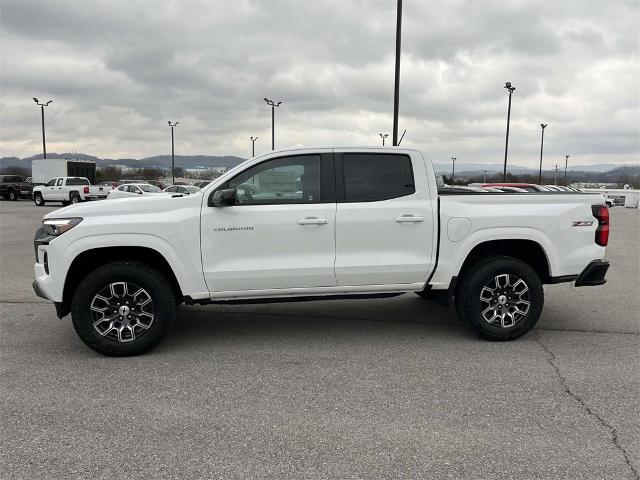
{"points": [[500, 297], [38, 200], [123, 308]]}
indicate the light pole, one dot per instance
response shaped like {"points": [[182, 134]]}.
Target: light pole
{"points": [[453, 171], [396, 89], [42, 105], [173, 163], [383, 136], [508, 86], [273, 106], [484, 178], [566, 162], [555, 182], [253, 146], [542, 126]]}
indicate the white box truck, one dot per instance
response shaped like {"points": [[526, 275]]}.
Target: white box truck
{"points": [[47, 168]]}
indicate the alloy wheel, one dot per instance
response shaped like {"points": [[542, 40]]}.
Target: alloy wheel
{"points": [[122, 311], [505, 300]]}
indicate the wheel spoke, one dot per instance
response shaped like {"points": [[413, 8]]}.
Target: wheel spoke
{"points": [[502, 281]]}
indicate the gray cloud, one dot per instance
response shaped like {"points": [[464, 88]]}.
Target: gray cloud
{"points": [[117, 71]]}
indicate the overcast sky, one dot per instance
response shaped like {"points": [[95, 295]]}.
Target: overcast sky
{"points": [[118, 71]]}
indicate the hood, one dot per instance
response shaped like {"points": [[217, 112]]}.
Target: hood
{"points": [[149, 203]]}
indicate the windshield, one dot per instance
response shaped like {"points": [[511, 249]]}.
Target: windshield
{"points": [[149, 188]]}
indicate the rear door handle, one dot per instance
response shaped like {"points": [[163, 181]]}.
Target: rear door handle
{"points": [[313, 221], [409, 219]]}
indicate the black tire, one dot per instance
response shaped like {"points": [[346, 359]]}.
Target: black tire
{"points": [[38, 200], [509, 324], [113, 343], [12, 195], [75, 198]]}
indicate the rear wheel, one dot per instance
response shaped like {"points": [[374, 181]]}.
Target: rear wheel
{"points": [[500, 297], [38, 200], [123, 308], [12, 195], [75, 198]]}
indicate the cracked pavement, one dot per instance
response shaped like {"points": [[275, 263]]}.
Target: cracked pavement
{"points": [[389, 388]]}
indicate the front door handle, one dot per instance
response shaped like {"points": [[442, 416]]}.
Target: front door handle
{"points": [[409, 219], [313, 221]]}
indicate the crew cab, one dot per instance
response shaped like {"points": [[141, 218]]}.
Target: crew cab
{"points": [[319, 224], [13, 187], [68, 190]]}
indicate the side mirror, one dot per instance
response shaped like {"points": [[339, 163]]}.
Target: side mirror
{"points": [[222, 198]]}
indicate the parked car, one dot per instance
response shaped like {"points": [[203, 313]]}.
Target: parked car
{"points": [[529, 187], [68, 190], [13, 187], [158, 183], [366, 222], [202, 183], [511, 189], [182, 189], [122, 182], [134, 190]]}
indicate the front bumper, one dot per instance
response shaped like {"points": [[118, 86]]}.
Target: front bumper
{"points": [[593, 274]]}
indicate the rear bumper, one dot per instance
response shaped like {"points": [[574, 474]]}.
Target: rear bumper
{"points": [[593, 274]]}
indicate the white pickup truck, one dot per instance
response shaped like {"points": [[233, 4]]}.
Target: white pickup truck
{"points": [[320, 223], [68, 190]]}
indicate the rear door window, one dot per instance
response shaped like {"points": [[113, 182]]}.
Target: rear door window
{"points": [[372, 177]]}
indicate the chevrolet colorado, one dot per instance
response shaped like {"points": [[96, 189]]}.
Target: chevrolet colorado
{"points": [[316, 224]]}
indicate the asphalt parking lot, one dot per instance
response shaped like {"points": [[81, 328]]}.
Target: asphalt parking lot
{"points": [[389, 388]]}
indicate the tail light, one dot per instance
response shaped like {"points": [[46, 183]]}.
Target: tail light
{"points": [[601, 212], [86, 190]]}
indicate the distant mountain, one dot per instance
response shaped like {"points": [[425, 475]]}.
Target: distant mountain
{"points": [[193, 161], [497, 167], [160, 161]]}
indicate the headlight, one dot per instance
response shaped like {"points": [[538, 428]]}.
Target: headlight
{"points": [[57, 226]]}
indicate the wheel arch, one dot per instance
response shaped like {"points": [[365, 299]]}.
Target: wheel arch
{"points": [[529, 251], [89, 260]]}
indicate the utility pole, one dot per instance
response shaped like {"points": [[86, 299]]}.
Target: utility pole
{"points": [[44, 143], [453, 171], [566, 162], [173, 160], [555, 182], [253, 146], [396, 91], [484, 176], [508, 86], [273, 106], [383, 136], [542, 126]]}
